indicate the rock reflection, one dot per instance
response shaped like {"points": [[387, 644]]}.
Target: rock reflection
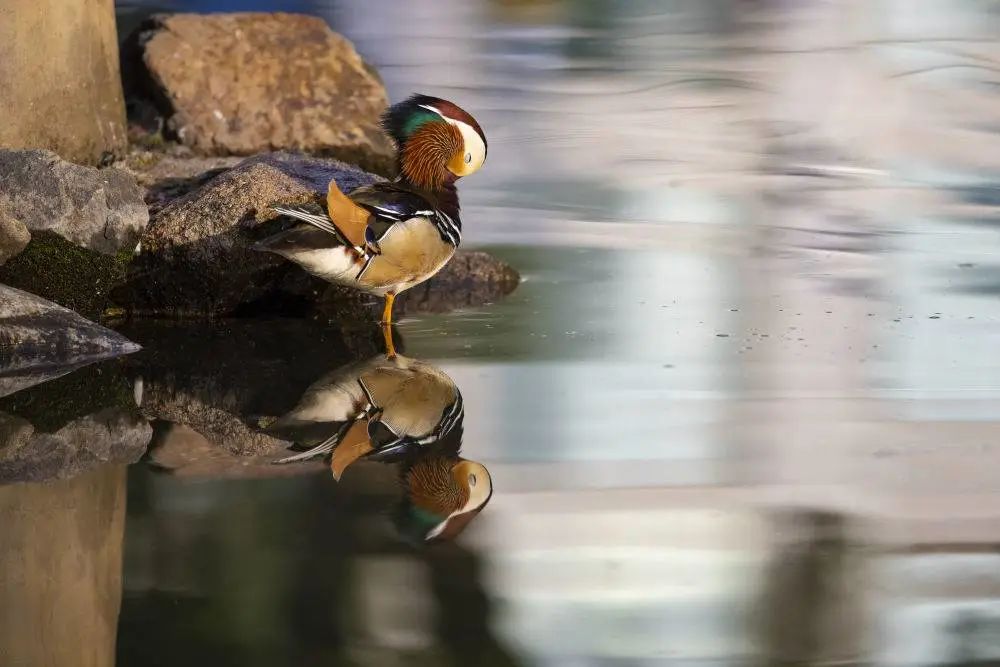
{"points": [[64, 446], [398, 411], [60, 569], [70, 425]]}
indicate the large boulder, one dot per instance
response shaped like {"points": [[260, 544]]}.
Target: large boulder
{"points": [[197, 258], [249, 82], [40, 340], [60, 86], [83, 224], [97, 209]]}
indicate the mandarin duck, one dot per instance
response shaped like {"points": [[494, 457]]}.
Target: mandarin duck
{"points": [[394, 410], [387, 237]]}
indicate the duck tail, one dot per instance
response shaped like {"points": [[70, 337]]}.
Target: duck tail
{"points": [[317, 220]]}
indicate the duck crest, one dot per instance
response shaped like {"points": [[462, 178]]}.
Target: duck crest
{"points": [[436, 141], [401, 120]]}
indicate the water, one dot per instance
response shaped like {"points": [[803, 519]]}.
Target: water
{"points": [[741, 411]]}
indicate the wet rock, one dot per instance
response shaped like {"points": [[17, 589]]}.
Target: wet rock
{"points": [[197, 259], [113, 435], [40, 340], [98, 209], [244, 83], [59, 428], [60, 79]]}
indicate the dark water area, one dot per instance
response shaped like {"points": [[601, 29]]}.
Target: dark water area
{"points": [[743, 409]]}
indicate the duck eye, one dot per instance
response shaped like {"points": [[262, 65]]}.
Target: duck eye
{"points": [[468, 158], [472, 480]]}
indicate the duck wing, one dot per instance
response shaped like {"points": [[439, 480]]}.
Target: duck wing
{"points": [[389, 204], [358, 220]]}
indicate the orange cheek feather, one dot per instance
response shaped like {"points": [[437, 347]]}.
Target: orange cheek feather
{"points": [[429, 151]]}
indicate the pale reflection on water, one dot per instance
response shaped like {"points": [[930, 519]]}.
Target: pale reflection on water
{"points": [[743, 410]]}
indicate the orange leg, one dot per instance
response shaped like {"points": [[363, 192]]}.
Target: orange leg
{"points": [[387, 311], [390, 349]]}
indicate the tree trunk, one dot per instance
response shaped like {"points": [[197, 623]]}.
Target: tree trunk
{"points": [[60, 86]]}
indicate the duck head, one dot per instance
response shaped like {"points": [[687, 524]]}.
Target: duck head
{"points": [[437, 141], [442, 495]]}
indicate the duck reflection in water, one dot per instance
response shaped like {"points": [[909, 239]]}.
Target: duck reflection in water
{"points": [[394, 410]]}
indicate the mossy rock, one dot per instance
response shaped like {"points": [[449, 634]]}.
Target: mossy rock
{"points": [[73, 277]]}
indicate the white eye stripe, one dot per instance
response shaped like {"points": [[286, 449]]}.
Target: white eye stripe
{"points": [[475, 149], [434, 109]]}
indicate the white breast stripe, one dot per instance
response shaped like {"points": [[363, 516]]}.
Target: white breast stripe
{"points": [[364, 268], [449, 228]]}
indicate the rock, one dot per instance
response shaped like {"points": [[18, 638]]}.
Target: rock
{"points": [[39, 340], [196, 257], [97, 209], [54, 268], [84, 225], [112, 435], [60, 78], [165, 177], [244, 83], [14, 236]]}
